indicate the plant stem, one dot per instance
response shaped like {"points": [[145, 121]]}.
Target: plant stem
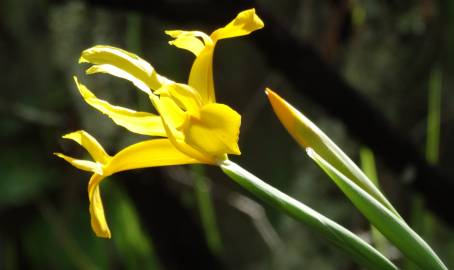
{"points": [[348, 242]]}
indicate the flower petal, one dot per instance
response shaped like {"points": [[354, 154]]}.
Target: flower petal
{"points": [[123, 60], [216, 131], [120, 73], [244, 23], [175, 115], [137, 122], [90, 144], [150, 153], [201, 76], [189, 40], [176, 137], [97, 217], [185, 96], [85, 165]]}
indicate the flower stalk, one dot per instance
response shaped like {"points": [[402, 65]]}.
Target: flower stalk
{"points": [[351, 244]]}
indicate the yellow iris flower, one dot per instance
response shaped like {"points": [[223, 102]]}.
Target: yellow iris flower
{"points": [[191, 126]]}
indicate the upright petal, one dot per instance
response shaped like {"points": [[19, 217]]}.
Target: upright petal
{"points": [[130, 63], [189, 40], [216, 131], [201, 76], [137, 122], [244, 23], [90, 144]]}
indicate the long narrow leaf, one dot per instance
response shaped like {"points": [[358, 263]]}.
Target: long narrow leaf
{"points": [[350, 243], [307, 134], [393, 228], [433, 116]]}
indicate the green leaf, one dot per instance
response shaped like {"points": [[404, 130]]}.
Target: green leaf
{"points": [[351, 244], [392, 227]]}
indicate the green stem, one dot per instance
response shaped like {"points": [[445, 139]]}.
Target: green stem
{"points": [[348, 242], [206, 209]]}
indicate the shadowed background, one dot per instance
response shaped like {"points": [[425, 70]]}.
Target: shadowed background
{"points": [[359, 69]]}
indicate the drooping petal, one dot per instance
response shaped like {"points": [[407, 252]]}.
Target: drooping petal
{"points": [[216, 130], [189, 40], [146, 154], [137, 122], [244, 23], [126, 61], [85, 165], [96, 208], [92, 146]]}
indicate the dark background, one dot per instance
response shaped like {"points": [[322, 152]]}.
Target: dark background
{"points": [[359, 69]]}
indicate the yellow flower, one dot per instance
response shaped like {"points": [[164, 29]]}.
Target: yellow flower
{"points": [[192, 127]]}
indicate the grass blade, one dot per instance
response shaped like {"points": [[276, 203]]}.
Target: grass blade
{"points": [[433, 117]]}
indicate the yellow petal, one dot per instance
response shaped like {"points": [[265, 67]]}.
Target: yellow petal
{"points": [[189, 40], [151, 153], [123, 60], [216, 131], [97, 217], [244, 23], [112, 70], [137, 122], [85, 165], [176, 137], [201, 76], [90, 144], [174, 114], [185, 96]]}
